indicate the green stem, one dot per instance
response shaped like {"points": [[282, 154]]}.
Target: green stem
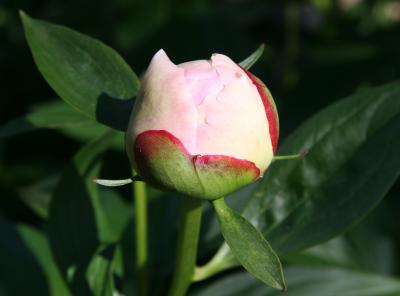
{"points": [[140, 198], [222, 260], [186, 252]]}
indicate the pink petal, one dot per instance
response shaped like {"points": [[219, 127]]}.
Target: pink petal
{"points": [[168, 104]]}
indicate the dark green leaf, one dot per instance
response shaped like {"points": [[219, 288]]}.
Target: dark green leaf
{"points": [[77, 222], [117, 212], [100, 273], [83, 71], [308, 282], [210, 238], [52, 115], [92, 131], [375, 255], [20, 271], [367, 246], [38, 195], [352, 163], [249, 246], [253, 58], [60, 116], [39, 246]]}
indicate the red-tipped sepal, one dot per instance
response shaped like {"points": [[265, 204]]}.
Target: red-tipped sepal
{"points": [[163, 161]]}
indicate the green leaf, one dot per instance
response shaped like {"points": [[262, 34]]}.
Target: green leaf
{"points": [[307, 282], [100, 269], [60, 116], [38, 195], [51, 115], [20, 270], [38, 244], [84, 72], [100, 272], [92, 131], [117, 212], [372, 254], [249, 246], [367, 246], [253, 58], [352, 163], [77, 223]]}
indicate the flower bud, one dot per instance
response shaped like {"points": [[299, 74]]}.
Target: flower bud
{"points": [[203, 128]]}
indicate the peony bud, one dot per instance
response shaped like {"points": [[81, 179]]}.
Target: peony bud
{"points": [[201, 128]]}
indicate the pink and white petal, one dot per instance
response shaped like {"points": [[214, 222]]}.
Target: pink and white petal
{"points": [[200, 69], [228, 71], [201, 79], [235, 125], [168, 104]]}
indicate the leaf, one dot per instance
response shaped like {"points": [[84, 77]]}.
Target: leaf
{"points": [[367, 246], [84, 72], [38, 244], [249, 246], [52, 115], [210, 237], [307, 282], [61, 116], [117, 212], [376, 255], [253, 58], [100, 273], [76, 221], [38, 195], [352, 163], [92, 131], [20, 271]]}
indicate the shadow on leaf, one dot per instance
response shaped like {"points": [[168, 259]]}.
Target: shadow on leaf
{"points": [[113, 112]]}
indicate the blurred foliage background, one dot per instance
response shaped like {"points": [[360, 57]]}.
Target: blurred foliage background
{"points": [[316, 52]]}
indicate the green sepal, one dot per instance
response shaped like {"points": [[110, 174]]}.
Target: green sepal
{"points": [[163, 161], [253, 58]]}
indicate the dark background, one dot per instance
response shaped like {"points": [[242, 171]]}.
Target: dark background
{"points": [[316, 52]]}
